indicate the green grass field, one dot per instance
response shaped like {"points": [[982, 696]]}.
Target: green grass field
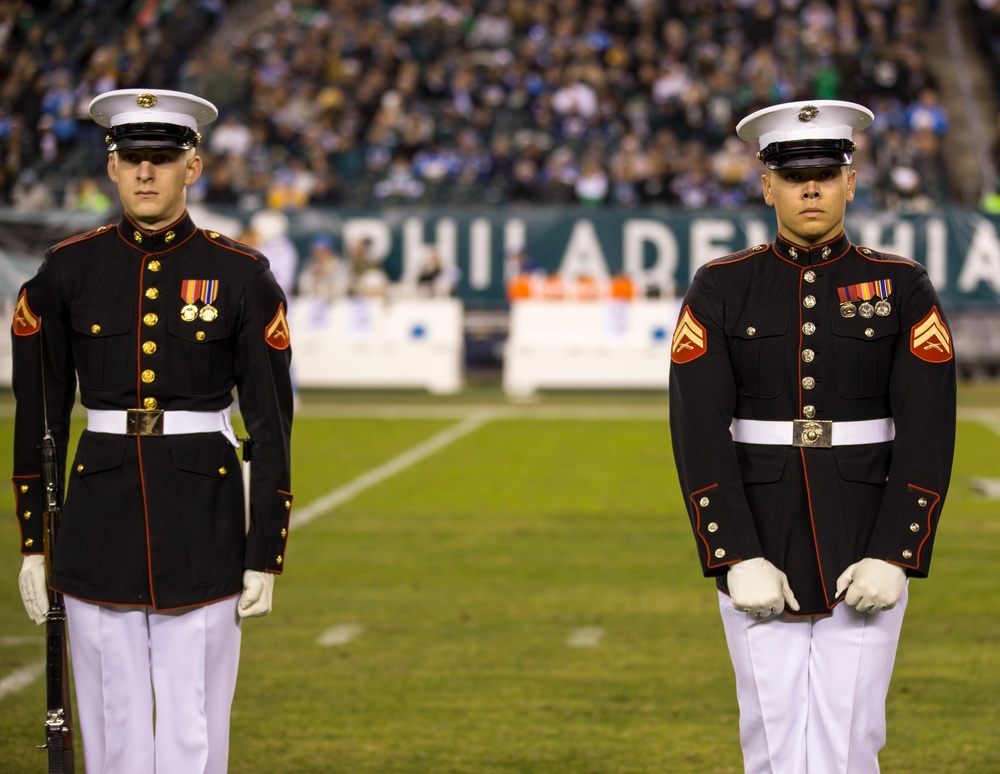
{"points": [[475, 587]]}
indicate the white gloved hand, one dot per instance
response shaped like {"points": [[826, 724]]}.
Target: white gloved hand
{"points": [[255, 600], [872, 585], [759, 588], [34, 589]]}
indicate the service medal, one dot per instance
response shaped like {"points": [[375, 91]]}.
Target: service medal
{"points": [[866, 310], [882, 308], [189, 313], [208, 313], [848, 310]]}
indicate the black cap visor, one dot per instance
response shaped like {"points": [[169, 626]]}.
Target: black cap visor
{"points": [[802, 154], [132, 136]]}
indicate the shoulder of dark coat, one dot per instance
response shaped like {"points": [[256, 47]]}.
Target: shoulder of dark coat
{"points": [[739, 255], [86, 236], [228, 243], [871, 254]]}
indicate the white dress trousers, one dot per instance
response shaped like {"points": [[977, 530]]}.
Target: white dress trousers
{"points": [[132, 664], [812, 690]]}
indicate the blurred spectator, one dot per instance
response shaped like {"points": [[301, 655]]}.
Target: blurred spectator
{"points": [[333, 102], [268, 232], [90, 198], [325, 274]]}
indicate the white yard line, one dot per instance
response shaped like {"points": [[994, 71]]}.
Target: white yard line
{"points": [[407, 459], [21, 678], [587, 637], [339, 635]]}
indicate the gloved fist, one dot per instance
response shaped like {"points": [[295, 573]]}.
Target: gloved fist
{"points": [[872, 585], [759, 588], [255, 600], [34, 589]]}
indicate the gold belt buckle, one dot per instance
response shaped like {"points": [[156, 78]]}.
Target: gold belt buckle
{"points": [[143, 422], [814, 433]]}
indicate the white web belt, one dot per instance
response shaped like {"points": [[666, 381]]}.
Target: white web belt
{"points": [[814, 433]]}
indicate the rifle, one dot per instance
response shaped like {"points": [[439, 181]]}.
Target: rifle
{"points": [[59, 710]]}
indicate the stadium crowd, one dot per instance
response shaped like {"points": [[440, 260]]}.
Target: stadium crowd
{"points": [[355, 103]]}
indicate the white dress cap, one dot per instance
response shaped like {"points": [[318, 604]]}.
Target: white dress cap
{"points": [[152, 118], [800, 133]]}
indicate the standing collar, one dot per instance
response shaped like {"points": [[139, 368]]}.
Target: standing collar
{"points": [[156, 241], [817, 254]]}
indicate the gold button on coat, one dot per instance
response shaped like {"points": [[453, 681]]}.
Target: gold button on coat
{"points": [[720, 552], [149, 347], [280, 559], [79, 468], [808, 383], [27, 515], [150, 319], [809, 276], [148, 375], [914, 527], [713, 527], [149, 403], [29, 543], [703, 502], [808, 355], [153, 265], [24, 488], [200, 335], [152, 293], [809, 328], [809, 302], [751, 331], [907, 554], [922, 502], [95, 328], [284, 533], [223, 472], [809, 412]]}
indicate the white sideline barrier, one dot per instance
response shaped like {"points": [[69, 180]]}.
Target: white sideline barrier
{"points": [[370, 342], [588, 344]]}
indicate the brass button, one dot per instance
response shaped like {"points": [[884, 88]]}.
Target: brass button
{"points": [[148, 347], [809, 328], [808, 383], [169, 237], [809, 302], [869, 332], [826, 253], [27, 515], [137, 236], [153, 265], [703, 502], [29, 543], [150, 319], [200, 335], [223, 472], [809, 412], [149, 403], [95, 328], [809, 276], [914, 527], [713, 527], [720, 552], [280, 559], [79, 468], [148, 375], [907, 554], [24, 488], [288, 505], [922, 502], [213, 234], [152, 293], [284, 533], [808, 356], [751, 331]]}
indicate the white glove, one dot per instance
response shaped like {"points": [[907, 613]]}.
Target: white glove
{"points": [[872, 584], [759, 588], [34, 589], [255, 600]]}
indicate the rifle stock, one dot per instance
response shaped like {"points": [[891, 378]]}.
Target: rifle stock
{"points": [[59, 713]]}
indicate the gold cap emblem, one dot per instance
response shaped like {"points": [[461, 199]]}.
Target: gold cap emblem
{"points": [[146, 100], [808, 113]]}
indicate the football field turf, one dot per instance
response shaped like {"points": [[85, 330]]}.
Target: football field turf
{"points": [[475, 586]]}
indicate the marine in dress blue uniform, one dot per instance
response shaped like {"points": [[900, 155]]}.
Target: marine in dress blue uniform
{"points": [[158, 328], [812, 412]]}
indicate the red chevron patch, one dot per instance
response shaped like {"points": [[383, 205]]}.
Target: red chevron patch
{"points": [[690, 340], [930, 340]]}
